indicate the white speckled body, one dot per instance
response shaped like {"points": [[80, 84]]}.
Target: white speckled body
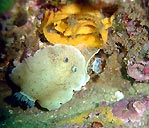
{"points": [[49, 75]]}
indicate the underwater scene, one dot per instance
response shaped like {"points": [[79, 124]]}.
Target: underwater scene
{"points": [[74, 64]]}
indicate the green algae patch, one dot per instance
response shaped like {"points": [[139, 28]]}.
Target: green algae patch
{"points": [[5, 5]]}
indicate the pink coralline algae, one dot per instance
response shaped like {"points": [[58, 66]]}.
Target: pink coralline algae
{"points": [[132, 26], [139, 70], [130, 110]]}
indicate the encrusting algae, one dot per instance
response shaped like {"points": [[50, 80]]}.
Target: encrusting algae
{"points": [[76, 24], [99, 114]]}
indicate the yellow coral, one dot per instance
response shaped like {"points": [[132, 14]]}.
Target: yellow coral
{"points": [[75, 24]]}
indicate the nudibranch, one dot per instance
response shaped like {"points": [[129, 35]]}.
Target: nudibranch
{"points": [[52, 75]]}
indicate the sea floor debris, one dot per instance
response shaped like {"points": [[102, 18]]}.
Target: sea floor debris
{"points": [[117, 93]]}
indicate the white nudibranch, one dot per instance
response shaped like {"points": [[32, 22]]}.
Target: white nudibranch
{"points": [[51, 75]]}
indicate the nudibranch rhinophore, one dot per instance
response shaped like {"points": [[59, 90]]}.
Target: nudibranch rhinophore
{"points": [[52, 75]]}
